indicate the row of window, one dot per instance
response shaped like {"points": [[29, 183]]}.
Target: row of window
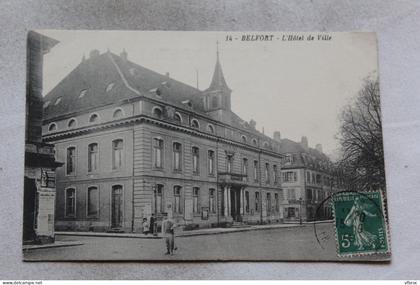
{"points": [[93, 119], [158, 113], [178, 206], [92, 201], [268, 204], [318, 179], [158, 152], [93, 157]]}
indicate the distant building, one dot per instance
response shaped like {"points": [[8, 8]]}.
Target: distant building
{"points": [[40, 164], [308, 180], [137, 143]]}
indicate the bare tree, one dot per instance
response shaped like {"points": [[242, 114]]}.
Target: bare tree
{"points": [[360, 136]]}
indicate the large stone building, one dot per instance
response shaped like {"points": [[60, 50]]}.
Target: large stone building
{"points": [[137, 143]]}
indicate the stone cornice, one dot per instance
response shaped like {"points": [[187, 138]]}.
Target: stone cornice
{"points": [[149, 120]]}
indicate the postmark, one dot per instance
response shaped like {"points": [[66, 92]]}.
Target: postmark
{"points": [[360, 225]]}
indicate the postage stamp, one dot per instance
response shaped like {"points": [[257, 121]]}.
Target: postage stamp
{"points": [[360, 226]]}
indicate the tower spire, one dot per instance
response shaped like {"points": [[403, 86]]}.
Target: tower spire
{"points": [[218, 81]]}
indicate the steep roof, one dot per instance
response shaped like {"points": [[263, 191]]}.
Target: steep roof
{"points": [[302, 156], [129, 80], [218, 81]]}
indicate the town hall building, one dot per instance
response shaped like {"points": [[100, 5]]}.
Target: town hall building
{"points": [[137, 144]]}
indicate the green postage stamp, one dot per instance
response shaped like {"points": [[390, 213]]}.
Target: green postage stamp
{"points": [[360, 225]]}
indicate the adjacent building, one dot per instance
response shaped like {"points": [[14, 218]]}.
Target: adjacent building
{"points": [[40, 163], [137, 143], [309, 179]]}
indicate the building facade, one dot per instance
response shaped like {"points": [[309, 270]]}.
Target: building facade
{"points": [[137, 143], [308, 180]]}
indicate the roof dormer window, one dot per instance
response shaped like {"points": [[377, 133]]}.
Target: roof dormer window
{"points": [[72, 123], [110, 86], [83, 93], [57, 101], [156, 91], [52, 127], [93, 118], [195, 124]]}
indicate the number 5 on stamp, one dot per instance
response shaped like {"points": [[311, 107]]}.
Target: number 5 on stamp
{"points": [[360, 224]]}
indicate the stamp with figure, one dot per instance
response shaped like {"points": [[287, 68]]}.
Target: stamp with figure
{"points": [[360, 224]]}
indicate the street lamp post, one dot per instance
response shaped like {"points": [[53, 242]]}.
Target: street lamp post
{"points": [[155, 211], [300, 211]]}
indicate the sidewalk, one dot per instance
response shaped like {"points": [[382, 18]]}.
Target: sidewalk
{"points": [[51, 245], [209, 231]]}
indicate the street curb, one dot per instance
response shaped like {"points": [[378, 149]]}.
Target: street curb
{"points": [[181, 234], [187, 234], [98, 234], [52, 245]]}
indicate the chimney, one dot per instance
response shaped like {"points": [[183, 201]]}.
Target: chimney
{"points": [[123, 55], [277, 136], [304, 142], [318, 147], [93, 53], [252, 124]]}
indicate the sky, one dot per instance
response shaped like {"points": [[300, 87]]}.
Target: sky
{"points": [[295, 87]]}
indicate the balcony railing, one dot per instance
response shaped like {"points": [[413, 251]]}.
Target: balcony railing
{"points": [[232, 178]]}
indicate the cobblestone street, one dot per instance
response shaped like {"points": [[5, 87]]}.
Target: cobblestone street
{"points": [[299, 243]]}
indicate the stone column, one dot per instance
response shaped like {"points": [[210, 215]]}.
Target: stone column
{"points": [[225, 204], [241, 210], [228, 201]]}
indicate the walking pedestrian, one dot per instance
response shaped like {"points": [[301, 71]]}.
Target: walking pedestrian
{"points": [[168, 232]]}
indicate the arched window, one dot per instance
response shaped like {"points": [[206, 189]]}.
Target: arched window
{"points": [[177, 199], [210, 128], [158, 152], [117, 153], [93, 118], [118, 113], [52, 127], [177, 153], [72, 123], [71, 160], [70, 204], [254, 142], [195, 124], [93, 157], [243, 139], [178, 117], [57, 101], [195, 162], [265, 145], [92, 201], [46, 104], [157, 112]]}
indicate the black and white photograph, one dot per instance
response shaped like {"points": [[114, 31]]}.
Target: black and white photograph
{"points": [[204, 146]]}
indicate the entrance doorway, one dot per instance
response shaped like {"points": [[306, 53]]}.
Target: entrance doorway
{"points": [[116, 206], [235, 204]]}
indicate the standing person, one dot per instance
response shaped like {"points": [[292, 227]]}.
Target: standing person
{"points": [[168, 232], [146, 226], [152, 224]]}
